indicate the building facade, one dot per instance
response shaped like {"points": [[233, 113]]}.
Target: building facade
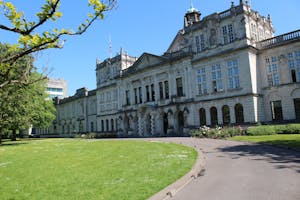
{"points": [[224, 69]]}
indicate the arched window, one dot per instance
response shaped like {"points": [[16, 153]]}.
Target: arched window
{"points": [[102, 125], [107, 125], [239, 113], [202, 117], [112, 124], [226, 115], [213, 116]]}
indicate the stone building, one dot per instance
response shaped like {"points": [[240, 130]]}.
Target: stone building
{"points": [[226, 68]]}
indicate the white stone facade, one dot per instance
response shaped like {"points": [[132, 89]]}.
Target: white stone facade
{"points": [[224, 69]]}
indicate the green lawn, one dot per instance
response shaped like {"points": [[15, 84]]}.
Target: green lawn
{"points": [[288, 140], [90, 169]]}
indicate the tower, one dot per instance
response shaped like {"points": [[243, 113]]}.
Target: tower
{"points": [[192, 16]]}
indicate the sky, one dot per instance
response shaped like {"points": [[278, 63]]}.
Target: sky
{"points": [[136, 26]]}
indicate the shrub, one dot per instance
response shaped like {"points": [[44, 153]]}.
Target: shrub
{"points": [[261, 130], [288, 129], [218, 132]]}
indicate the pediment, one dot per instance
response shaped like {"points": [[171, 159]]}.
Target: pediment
{"points": [[147, 60], [178, 43]]}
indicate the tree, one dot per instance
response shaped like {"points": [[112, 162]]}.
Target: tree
{"points": [[30, 40], [16, 69], [24, 105]]}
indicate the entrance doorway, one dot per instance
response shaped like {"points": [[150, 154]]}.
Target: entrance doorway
{"points": [[180, 123], [165, 123], [297, 108]]}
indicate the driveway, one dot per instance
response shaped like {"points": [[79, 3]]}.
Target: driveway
{"points": [[242, 171]]}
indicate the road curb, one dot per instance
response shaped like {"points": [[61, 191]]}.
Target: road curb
{"points": [[197, 171]]}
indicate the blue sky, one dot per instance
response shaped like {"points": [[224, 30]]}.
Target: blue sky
{"points": [[137, 27]]}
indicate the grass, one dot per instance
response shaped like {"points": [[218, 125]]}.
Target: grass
{"points": [[287, 140], [90, 169]]}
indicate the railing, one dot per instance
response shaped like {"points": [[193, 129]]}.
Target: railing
{"points": [[279, 39], [224, 14]]}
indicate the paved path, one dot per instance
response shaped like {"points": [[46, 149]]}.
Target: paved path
{"points": [[243, 171]]}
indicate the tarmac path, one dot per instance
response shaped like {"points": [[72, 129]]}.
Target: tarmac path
{"points": [[242, 171]]}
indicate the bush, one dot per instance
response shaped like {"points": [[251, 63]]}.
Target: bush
{"points": [[288, 129], [218, 132], [261, 130], [274, 129]]}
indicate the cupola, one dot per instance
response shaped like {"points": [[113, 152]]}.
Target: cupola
{"points": [[192, 16]]}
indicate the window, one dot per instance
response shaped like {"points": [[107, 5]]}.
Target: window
{"points": [[216, 74], [297, 108], [214, 116], [140, 95], [112, 124], [92, 126], [127, 97], [254, 32], [147, 93], [228, 35], [239, 113], [233, 74], [272, 71], [161, 90], [152, 92], [135, 96], [201, 81], [166, 89], [276, 109], [200, 45], [102, 125], [179, 87], [294, 64], [226, 115], [202, 117], [107, 125]]}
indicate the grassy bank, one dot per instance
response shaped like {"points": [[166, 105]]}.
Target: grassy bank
{"points": [[287, 140]]}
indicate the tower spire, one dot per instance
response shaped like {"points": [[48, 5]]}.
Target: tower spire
{"points": [[192, 8]]}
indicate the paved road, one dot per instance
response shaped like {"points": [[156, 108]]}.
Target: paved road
{"points": [[243, 171]]}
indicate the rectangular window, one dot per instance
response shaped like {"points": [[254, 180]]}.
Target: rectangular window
{"points": [[228, 35], [166, 89], [216, 76], [233, 74], [102, 125], [179, 87], [200, 43], [161, 90], [147, 93], [127, 97], [152, 92], [135, 96], [140, 95], [254, 32], [201, 81], [272, 71], [294, 65], [276, 109]]}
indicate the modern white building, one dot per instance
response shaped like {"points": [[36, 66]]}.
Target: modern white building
{"points": [[57, 88], [226, 68]]}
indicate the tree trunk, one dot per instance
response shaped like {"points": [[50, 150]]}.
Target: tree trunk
{"points": [[0, 137], [14, 135]]}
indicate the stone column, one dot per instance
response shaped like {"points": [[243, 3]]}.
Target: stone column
{"points": [[220, 116], [232, 115], [152, 123]]}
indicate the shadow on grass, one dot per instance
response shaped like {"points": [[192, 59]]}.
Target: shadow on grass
{"points": [[5, 144], [282, 158]]}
